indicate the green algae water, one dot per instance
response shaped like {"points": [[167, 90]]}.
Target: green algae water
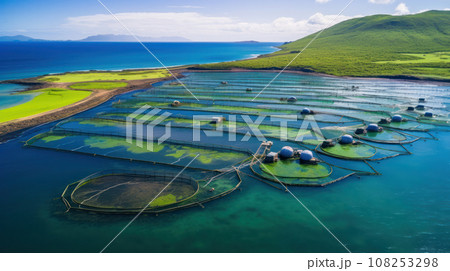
{"points": [[406, 209]]}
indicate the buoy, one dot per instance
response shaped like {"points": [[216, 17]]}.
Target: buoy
{"points": [[373, 128], [428, 114], [306, 155], [420, 107], [306, 111], [421, 100], [346, 139], [248, 89], [286, 152], [292, 99], [397, 118], [410, 108]]}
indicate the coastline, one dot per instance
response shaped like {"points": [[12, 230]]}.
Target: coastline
{"points": [[96, 98]]}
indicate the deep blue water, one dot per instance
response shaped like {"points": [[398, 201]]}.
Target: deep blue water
{"points": [[28, 59]]}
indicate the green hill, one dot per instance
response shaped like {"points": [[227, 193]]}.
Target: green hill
{"points": [[379, 45]]}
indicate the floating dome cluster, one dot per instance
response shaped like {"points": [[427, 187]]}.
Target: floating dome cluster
{"points": [[346, 139]]}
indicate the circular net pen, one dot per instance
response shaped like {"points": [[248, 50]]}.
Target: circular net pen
{"points": [[408, 126], [127, 192], [386, 136], [380, 135], [347, 148]]}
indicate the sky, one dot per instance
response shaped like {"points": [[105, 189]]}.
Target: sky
{"points": [[196, 20]]}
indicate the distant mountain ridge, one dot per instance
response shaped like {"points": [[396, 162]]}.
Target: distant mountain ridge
{"points": [[18, 38], [101, 38], [129, 38]]}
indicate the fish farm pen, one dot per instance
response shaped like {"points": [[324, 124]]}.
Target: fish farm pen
{"points": [[128, 192], [294, 133]]}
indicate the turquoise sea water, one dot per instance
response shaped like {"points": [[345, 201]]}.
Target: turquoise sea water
{"points": [[406, 209], [9, 95]]}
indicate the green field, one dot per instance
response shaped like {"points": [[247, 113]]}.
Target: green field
{"points": [[48, 99], [293, 169], [423, 58], [99, 85], [378, 45], [74, 77]]}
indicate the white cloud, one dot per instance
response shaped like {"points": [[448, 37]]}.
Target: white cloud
{"points": [[198, 27], [401, 9], [384, 2], [323, 1]]}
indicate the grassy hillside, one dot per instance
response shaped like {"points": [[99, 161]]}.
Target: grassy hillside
{"points": [[380, 45]]}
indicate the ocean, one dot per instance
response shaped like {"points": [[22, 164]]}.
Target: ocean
{"points": [[29, 59], [406, 209]]}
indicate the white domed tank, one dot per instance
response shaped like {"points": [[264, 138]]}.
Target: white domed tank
{"points": [[306, 111], [292, 99], [346, 139], [306, 155], [397, 118], [420, 107], [286, 152], [373, 127]]}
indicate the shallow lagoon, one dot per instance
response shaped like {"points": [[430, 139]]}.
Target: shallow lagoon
{"points": [[407, 209]]}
